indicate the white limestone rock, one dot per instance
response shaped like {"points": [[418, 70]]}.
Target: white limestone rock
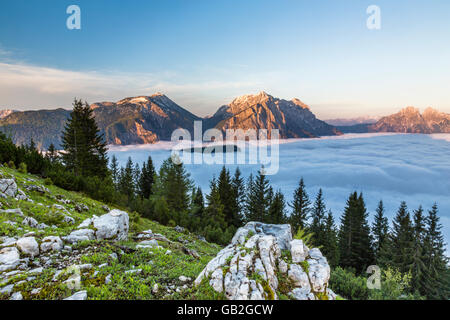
{"points": [[28, 246], [51, 243], [80, 295], [113, 225]]}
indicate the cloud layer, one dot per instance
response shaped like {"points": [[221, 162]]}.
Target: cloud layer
{"points": [[388, 167]]}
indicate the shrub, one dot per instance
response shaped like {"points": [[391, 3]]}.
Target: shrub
{"points": [[348, 285], [11, 164], [23, 167], [48, 181]]}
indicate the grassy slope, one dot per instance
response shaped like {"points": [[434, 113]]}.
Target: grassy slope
{"points": [[157, 266]]}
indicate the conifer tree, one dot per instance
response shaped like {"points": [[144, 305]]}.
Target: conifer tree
{"points": [[84, 146], [354, 235], [330, 247], [419, 269], [238, 187], [147, 179], [403, 240], [126, 180], [215, 224], [436, 285], [318, 212], [276, 213], [380, 229], [300, 207], [227, 196], [114, 167], [175, 186], [259, 197]]}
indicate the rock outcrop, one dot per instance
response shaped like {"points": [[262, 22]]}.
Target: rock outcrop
{"points": [[263, 262]]}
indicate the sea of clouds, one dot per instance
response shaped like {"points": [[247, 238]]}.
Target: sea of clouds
{"points": [[390, 167]]}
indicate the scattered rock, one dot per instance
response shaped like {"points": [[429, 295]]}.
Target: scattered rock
{"points": [[7, 241], [179, 229], [28, 246], [81, 207], [184, 279], [8, 187], [13, 211], [31, 222], [106, 208], [16, 296], [80, 235], [147, 244], [7, 289], [80, 295], [53, 243], [298, 251]]}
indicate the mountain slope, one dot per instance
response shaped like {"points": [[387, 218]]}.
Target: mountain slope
{"points": [[292, 118], [43, 126], [144, 119]]}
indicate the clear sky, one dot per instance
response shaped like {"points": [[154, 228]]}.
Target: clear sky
{"points": [[203, 53]]}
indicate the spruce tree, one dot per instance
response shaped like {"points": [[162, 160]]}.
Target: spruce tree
{"points": [[114, 167], [419, 268], [84, 147], [354, 236], [227, 196], [436, 285], [147, 179], [126, 181], [259, 197], [175, 186], [380, 229], [317, 226], [300, 207], [276, 213], [403, 240], [238, 198], [52, 154], [330, 247], [214, 217]]}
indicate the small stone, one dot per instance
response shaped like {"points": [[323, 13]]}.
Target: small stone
{"points": [[80, 295], [28, 245], [16, 296]]}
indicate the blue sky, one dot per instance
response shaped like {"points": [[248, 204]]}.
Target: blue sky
{"points": [[203, 53]]}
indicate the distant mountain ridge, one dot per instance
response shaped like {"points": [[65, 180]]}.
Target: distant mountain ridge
{"points": [[407, 120], [148, 119]]}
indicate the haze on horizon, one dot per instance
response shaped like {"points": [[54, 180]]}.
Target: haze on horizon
{"points": [[203, 54]]}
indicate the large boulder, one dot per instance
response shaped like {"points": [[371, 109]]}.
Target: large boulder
{"points": [[113, 225], [28, 246], [9, 258], [282, 232], [8, 187], [259, 265]]}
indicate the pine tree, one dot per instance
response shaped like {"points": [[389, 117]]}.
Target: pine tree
{"points": [[226, 195], [403, 240], [126, 181], [114, 167], [300, 207], [259, 197], [84, 146], [354, 235], [277, 214], [419, 269], [380, 229], [175, 186], [318, 212], [238, 187], [147, 179], [330, 248], [436, 284], [214, 217]]}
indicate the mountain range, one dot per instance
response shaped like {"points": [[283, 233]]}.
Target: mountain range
{"points": [[148, 119], [407, 120]]}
